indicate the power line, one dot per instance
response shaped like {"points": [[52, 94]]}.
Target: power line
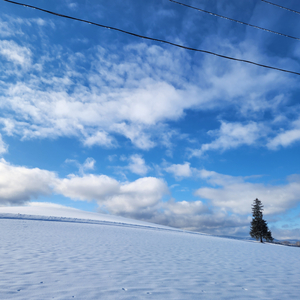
{"points": [[155, 39], [237, 21], [289, 9]]}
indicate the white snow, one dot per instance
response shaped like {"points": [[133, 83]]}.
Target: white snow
{"points": [[53, 252]]}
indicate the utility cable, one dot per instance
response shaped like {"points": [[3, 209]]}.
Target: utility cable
{"points": [[155, 39], [289, 9], [237, 21]]}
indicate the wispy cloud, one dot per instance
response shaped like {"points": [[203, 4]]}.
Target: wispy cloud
{"points": [[286, 137], [11, 26], [72, 5], [89, 164], [3, 146], [13, 56], [233, 135]]}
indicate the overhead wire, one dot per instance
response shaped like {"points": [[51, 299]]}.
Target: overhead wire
{"points": [[233, 20], [155, 39], [286, 8]]}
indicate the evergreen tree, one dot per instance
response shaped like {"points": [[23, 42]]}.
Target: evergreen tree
{"points": [[259, 228]]}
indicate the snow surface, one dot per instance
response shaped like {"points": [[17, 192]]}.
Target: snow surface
{"points": [[47, 254]]}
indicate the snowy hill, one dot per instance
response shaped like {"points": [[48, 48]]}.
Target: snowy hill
{"points": [[55, 212], [60, 253]]}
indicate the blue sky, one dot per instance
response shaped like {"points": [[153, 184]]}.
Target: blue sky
{"points": [[103, 121]]}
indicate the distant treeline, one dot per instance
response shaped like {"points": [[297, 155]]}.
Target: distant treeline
{"points": [[287, 243]]}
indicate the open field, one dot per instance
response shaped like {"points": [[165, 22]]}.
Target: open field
{"points": [[68, 258]]}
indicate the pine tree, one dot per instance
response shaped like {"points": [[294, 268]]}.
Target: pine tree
{"points": [[259, 228]]}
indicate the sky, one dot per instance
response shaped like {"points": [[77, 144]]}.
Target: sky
{"points": [[103, 121]]}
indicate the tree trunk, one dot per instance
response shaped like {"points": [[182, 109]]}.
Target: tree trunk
{"points": [[261, 239]]}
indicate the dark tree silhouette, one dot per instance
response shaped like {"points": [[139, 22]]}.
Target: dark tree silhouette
{"points": [[259, 228]]}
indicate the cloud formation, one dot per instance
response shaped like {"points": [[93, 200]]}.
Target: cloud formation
{"points": [[233, 135], [20, 184], [224, 208], [287, 137], [137, 165], [143, 199], [118, 198], [134, 93], [14, 53], [180, 170], [235, 194]]}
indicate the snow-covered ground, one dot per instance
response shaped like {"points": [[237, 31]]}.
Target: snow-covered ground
{"points": [[79, 255]]}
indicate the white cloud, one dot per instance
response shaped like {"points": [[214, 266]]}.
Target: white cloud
{"points": [[100, 138], [20, 184], [180, 170], [137, 165], [88, 187], [186, 208], [89, 164], [17, 54], [136, 133], [5, 29], [10, 26], [234, 194], [287, 137], [3, 146], [72, 5], [137, 197], [233, 135], [116, 197]]}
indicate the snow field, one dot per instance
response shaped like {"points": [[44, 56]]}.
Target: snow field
{"points": [[69, 260]]}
